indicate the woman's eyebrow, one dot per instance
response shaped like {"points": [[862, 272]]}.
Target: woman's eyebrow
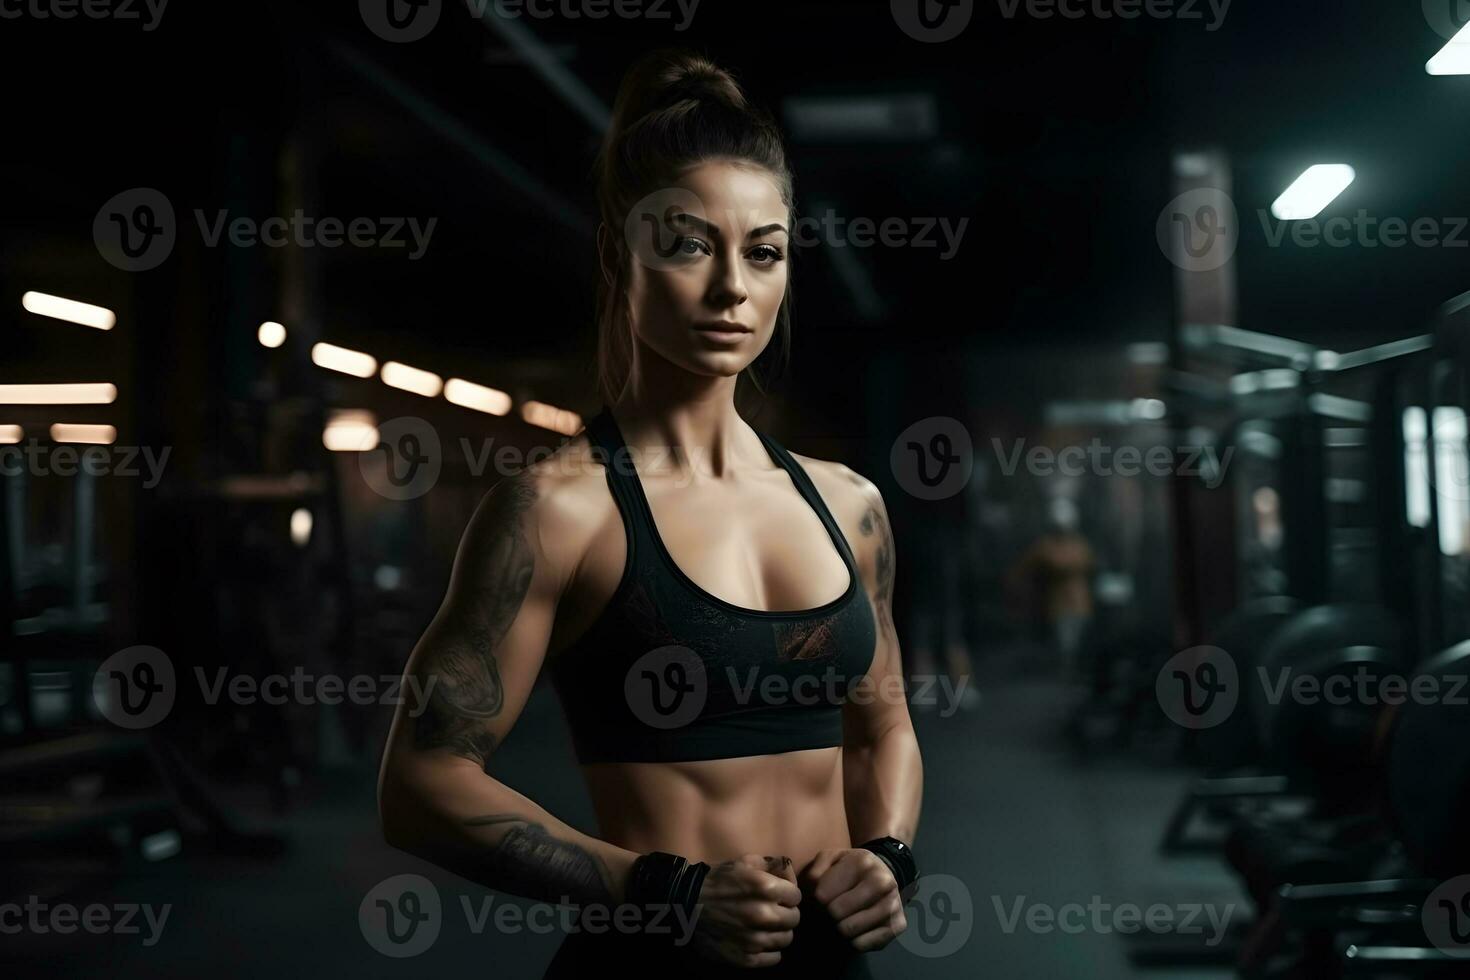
{"points": [[711, 228]]}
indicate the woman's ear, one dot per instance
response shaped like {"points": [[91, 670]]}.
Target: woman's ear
{"points": [[607, 253]]}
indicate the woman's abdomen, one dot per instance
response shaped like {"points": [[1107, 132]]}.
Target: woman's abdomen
{"points": [[788, 804]]}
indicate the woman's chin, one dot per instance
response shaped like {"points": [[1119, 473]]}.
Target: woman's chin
{"points": [[715, 363]]}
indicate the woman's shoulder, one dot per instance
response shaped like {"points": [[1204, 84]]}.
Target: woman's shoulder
{"points": [[572, 483], [856, 505], [839, 484], [559, 501]]}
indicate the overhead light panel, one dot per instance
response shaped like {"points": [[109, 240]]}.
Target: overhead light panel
{"points": [[101, 393], [405, 378], [351, 431], [352, 362], [550, 417], [59, 308], [862, 118], [467, 394], [1310, 193], [98, 435], [1453, 58]]}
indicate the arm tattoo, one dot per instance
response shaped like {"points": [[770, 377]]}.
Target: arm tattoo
{"points": [[496, 574], [875, 523], [528, 861]]}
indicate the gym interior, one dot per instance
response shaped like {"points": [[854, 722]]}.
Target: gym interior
{"points": [[1148, 320]]}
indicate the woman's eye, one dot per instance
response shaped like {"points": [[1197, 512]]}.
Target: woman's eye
{"points": [[691, 246], [766, 254]]}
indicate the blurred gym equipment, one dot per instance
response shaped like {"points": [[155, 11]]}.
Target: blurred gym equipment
{"points": [[1341, 811]]}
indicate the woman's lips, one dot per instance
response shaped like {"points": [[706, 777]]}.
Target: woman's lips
{"points": [[722, 333]]}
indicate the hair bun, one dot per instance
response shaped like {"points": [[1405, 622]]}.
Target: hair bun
{"points": [[693, 77], [669, 76]]}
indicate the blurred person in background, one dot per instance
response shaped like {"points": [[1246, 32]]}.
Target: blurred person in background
{"points": [[1055, 575]]}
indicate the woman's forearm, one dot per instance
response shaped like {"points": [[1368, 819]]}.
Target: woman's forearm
{"points": [[883, 786], [453, 814]]}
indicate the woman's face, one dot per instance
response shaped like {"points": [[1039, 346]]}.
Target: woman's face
{"points": [[709, 267]]}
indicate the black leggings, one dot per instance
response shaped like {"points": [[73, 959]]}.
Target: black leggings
{"points": [[817, 951]]}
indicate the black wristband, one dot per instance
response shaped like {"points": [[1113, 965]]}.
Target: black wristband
{"points": [[900, 860], [663, 879]]}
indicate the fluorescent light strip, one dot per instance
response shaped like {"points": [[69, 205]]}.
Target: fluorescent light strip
{"points": [[99, 435], [1447, 443], [1317, 187], [1453, 58], [271, 334], [467, 394], [11, 434], [406, 378], [102, 393], [1416, 466], [59, 308], [351, 431], [550, 417], [352, 362]]}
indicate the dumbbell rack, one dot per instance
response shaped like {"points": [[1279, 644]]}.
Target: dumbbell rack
{"points": [[1336, 925]]}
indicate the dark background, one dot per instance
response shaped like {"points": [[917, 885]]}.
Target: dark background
{"points": [[1054, 138]]}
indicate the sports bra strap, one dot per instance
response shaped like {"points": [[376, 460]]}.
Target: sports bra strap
{"points": [[609, 450], [612, 452], [808, 490]]}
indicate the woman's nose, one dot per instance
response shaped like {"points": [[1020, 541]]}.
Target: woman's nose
{"points": [[728, 288]]}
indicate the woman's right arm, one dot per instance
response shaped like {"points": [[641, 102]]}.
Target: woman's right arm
{"points": [[473, 670], [476, 665]]}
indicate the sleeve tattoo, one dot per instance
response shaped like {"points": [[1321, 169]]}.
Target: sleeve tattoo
{"points": [[495, 575], [875, 522], [528, 861]]}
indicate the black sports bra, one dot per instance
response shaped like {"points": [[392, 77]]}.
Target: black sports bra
{"points": [[671, 673]]}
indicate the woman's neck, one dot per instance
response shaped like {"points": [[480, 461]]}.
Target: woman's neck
{"points": [[705, 432]]}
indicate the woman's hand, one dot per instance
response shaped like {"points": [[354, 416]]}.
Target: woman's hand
{"points": [[860, 893], [747, 911]]}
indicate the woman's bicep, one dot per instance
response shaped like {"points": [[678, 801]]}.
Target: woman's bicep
{"points": [[866, 719], [473, 669]]}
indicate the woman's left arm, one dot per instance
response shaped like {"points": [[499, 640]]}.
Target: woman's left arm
{"points": [[883, 775]]}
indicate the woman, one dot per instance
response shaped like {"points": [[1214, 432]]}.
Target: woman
{"points": [[726, 658]]}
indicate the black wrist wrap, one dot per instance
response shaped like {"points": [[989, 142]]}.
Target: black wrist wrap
{"points": [[900, 860], [664, 879]]}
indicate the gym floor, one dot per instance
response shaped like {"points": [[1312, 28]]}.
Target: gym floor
{"points": [[1009, 810]]}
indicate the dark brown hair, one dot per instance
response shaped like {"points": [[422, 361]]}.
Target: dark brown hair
{"points": [[675, 110]]}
